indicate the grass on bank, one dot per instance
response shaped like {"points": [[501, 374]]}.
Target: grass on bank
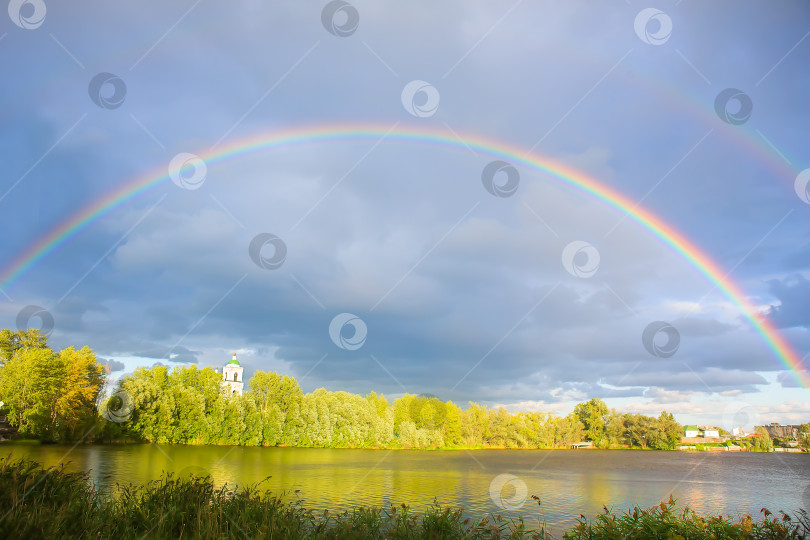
{"points": [[51, 503]]}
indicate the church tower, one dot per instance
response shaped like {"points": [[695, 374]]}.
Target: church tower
{"points": [[232, 377]]}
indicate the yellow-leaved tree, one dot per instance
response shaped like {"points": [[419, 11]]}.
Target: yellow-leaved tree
{"points": [[47, 395]]}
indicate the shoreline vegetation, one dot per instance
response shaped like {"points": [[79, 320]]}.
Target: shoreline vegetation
{"points": [[61, 397], [51, 503]]}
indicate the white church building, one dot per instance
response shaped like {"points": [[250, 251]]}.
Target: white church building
{"points": [[232, 380]]}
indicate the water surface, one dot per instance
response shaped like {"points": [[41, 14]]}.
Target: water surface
{"points": [[568, 482]]}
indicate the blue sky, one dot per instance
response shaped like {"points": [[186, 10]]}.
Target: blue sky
{"points": [[461, 293]]}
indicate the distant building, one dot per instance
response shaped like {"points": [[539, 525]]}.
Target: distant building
{"points": [[701, 431], [232, 380], [777, 431], [709, 431], [700, 434]]}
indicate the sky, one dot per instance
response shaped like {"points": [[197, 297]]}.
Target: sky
{"points": [[394, 265]]}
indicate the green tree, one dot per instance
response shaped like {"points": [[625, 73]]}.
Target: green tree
{"points": [[475, 425], [614, 431], [665, 432], [54, 396], [594, 415], [144, 389], [402, 411], [637, 428], [568, 430], [426, 417], [379, 403], [804, 435], [83, 378], [11, 342], [762, 442], [546, 431], [51, 396], [452, 427], [499, 424]]}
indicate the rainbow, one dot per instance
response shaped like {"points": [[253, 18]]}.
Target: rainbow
{"points": [[373, 132]]}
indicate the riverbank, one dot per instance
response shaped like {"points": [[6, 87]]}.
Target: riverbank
{"points": [[38, 503], [580, 447]]}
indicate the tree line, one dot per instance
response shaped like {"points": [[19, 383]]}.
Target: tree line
{"points": [[60, 397], [186, 405], [48, 395]]}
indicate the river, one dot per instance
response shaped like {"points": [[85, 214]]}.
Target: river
{"points": [[568, 482]]}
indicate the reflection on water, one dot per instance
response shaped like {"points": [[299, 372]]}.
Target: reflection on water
{"points": [[567, 482]]}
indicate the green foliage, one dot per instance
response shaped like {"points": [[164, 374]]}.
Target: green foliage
{"points": [[594, 415], [47, 395], [52, 503], [666, 521], [804, 436], [187, 405], [763, 442], [11, 342], [53, 397], [452, 425]]}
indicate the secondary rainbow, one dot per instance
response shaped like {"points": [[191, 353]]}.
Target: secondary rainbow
{"points": [[419, 135]]}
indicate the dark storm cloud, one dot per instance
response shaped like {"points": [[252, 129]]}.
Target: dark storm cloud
{"points": [[464, 294], [793, 294], [694, 327], [178, 354], [111, 365], [790, 379], [710, 380]]}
